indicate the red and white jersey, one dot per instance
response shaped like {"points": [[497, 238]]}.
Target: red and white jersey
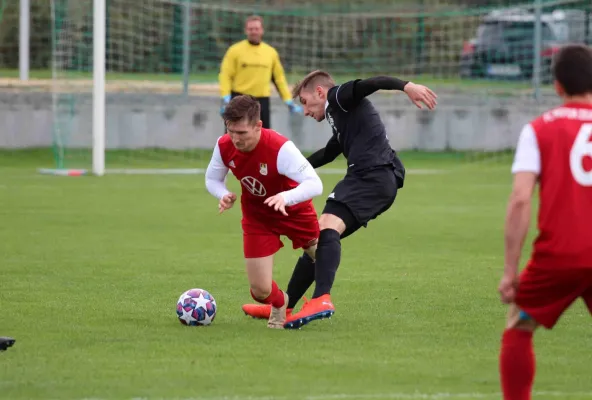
{"points": [[557, 146], [274, 166]]}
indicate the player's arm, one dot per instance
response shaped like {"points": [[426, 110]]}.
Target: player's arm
{"points": [[278, 77], [526, 169], [326, 154], [216, 175], [292, 164], [227, 73], [518, 219], [350, 94]]}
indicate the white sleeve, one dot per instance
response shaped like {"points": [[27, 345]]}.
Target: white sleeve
{"points": [[527, 157], [294, 165], [216, 175]]}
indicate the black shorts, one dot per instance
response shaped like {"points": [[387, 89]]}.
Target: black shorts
{"points": [[362, 196], [265, 111]]}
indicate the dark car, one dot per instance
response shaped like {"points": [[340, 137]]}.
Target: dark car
{"points": [[504, 45]]}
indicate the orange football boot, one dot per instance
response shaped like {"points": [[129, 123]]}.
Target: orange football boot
{"points": [[260, 311], [263, 311], [318, 308]]}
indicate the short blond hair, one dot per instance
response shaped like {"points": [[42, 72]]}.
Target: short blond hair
{"points": [[251, 18], [313, 79]]}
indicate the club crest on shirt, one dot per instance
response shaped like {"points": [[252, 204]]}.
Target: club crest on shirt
{"points": [[263, 169]]}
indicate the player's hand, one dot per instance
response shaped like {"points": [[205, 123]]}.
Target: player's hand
{"points": [[226, 202], [225, 101], [294, 108], [277, 202], [507, 288], [421, 94]]}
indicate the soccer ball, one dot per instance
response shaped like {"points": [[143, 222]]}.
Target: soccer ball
{"points": [[196, 307]]}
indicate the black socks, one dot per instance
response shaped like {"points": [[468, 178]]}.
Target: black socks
{"points": [[302, 278], [328, 259]]}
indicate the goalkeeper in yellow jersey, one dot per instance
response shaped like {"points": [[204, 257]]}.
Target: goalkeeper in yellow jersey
{"points": [[249, 67]]}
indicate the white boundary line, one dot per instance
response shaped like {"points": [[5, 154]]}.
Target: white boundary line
{"points": [[360, 396]]}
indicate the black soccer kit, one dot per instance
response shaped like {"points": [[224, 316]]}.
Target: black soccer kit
{"points": [[374, 175], [374, 171]]}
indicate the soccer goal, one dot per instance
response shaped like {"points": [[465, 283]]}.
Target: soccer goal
{"points": [[119, 100], [134, 83]]}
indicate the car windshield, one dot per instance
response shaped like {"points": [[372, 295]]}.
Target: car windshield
{"points": [[511, 32]]}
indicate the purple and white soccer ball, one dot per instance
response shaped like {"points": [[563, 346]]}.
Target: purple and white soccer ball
{"points": [[196, 307]]}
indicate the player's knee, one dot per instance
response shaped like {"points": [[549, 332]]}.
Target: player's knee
{"points": [[260, 292], [330, 221], [523, 325], [518, 319], [329, 235], [310, 253]]}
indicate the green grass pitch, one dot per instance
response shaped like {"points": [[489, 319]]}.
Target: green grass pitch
{"points": [[91, 268]]}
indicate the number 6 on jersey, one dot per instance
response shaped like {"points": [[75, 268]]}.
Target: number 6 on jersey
{"points": [[581, 152]]}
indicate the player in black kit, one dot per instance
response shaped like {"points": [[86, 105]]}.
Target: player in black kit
{"points": [[369, 188], [374, 172]]}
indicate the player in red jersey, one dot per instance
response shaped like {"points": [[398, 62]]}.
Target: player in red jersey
{"points": [[555, 150], [278, 184]]}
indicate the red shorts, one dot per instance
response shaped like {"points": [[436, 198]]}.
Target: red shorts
{"points": [[261, 234], [544, 293]]}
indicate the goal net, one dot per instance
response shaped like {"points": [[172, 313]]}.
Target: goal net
{"points": [[161, 58]]}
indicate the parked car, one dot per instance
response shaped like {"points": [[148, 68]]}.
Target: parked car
{"points": [[503, 47]]}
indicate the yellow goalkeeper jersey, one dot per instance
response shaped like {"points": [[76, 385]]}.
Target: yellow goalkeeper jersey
{"points": [[251, 69]]}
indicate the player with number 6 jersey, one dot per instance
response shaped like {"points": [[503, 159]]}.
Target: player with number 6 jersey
{"points": [[277, 183], [554, 150]]}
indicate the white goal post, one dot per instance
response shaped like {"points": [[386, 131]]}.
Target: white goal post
{"points": [[99, 49], [99, 33]]}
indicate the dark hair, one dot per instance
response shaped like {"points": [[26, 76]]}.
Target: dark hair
{"points": [[241, 107], [572, 68], [315, 78]]}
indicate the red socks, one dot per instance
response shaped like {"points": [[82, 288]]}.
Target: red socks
{"points": [[275, 298], [517, 364]]}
